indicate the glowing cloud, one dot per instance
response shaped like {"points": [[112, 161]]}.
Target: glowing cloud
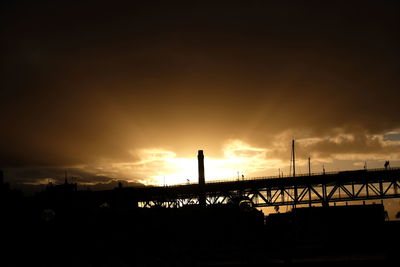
{"points": [[160, 166]]}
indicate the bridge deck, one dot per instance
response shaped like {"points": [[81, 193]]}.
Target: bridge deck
{"points": [[269, 191]]}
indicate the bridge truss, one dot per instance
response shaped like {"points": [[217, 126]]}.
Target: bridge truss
{"points": [[317, 189]]}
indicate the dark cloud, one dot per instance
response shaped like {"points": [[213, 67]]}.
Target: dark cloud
{"points": [[391, 137], [55, 175], [89, 83], [359, 146], [32, 180]]}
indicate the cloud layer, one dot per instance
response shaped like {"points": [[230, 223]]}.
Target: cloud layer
{"points": [[94, 92]]}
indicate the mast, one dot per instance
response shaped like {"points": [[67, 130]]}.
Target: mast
{"points": [[293, 159], [294, 174]]}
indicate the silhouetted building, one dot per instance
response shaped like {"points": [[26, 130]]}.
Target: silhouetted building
{"points": [[4, 186], [327, 226], [63, 188]]}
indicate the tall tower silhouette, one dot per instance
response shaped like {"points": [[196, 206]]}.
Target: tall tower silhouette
{"points": [[202, 181]]}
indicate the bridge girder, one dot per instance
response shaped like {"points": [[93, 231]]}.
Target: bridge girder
{"points": [[315, 189]]}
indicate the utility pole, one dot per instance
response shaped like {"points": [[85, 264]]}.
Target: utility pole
{"points": [[309, 166], [293, 159], [294, 174]]}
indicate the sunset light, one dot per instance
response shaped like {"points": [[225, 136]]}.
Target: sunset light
{"points": [[240, 160], [200, 133]]}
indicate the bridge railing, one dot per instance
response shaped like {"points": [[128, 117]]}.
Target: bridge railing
{"points": [[230, 180]]}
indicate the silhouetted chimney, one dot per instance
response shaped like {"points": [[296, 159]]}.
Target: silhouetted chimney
{"points": [[202, 181], [200, 158]]}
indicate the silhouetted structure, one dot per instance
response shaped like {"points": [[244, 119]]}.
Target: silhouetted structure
{"points": [[66, 187], [387, 164], [307, 189], [202, 181], [204, 224]]}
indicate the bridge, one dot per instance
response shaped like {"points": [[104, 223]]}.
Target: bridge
{"points": [[307, 189]]}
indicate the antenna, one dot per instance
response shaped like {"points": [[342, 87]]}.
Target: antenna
{"points": [[309, 166]]}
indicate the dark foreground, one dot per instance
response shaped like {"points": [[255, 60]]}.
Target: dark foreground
{"points": [[55, 230]]}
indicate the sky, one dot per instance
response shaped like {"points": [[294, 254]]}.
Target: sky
{"points": [[131, 90]]}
